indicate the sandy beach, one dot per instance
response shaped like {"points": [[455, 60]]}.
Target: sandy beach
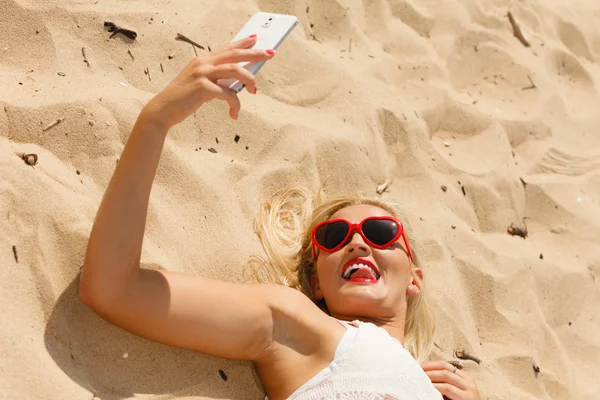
{"points": [[472, 128]]}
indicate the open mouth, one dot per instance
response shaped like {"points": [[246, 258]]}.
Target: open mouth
{"points": [[360, 271]]}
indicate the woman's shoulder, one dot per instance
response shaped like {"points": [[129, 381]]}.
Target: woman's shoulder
{"points": [[298, 322], [304, 342]]}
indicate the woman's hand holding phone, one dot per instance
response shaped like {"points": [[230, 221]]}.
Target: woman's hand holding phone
{"points": [[197, 83]]}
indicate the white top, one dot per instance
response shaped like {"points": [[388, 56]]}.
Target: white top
{"points": [[369, 364]]}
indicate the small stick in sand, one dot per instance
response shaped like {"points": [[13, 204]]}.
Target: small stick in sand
{"points": [[131, 54], [382, 188], [517, 30], [536, 370], [523, 182], [161, 68], [462, 188], [463, 355], [85, 60], [188, 40], [147, 72], [30, 159], [533, 86], [516, 231], [53, 124], [15, 253], [112, 27], [223, 375]]}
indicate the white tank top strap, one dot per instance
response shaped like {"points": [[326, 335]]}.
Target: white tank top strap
{"points": [[369, 363], [343, 344]]}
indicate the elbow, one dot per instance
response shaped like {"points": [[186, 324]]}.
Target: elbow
{"points": [[98, 291], [89, 292], [86, 294], [95, 299]]}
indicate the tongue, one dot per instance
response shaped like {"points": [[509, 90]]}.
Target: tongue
{"points": [[362, 273]]}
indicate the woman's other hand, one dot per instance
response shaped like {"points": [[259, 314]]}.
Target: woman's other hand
{"points": [[197, 83], [451, 382]]}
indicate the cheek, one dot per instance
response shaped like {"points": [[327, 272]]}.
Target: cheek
{"points": [[396, 264], [327, 268]]}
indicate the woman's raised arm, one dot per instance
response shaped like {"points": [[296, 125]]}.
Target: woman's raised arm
{"points": [[217, 318]]}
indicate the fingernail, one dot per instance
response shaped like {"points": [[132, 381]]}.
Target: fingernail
{"points": [[270, 52], [255, 90], [252, 36]]}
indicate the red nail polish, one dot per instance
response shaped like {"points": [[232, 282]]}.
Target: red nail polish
{"points": [[255, 90], [252, 36], [270, 51]]}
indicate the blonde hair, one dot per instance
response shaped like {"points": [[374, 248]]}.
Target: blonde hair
{"points": [[284, 226]]}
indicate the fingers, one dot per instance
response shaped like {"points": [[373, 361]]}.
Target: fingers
{"points": [[236, 55], [229, 96], [234, 71], [444, 372], [451, 382], [244, 43], [445, 376], [451, 392], [441, 366]]}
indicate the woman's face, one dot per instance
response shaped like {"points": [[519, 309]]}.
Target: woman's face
{"points": [[383, 298]]}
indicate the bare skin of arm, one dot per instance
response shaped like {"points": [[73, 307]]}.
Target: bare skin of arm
{"points": [[216, 318]]}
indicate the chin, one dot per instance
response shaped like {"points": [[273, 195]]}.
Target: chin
{"points": [[358, 296]]}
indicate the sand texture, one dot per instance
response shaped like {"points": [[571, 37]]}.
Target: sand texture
{"points": [[473, 130]]}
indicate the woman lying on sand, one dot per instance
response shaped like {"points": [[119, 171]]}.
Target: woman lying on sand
{"points": [[353, 322]]}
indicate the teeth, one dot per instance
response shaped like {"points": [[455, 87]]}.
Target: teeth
{"points": [[354, 267]]}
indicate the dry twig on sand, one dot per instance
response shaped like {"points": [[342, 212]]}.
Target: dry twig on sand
{"points": [[517, 231], [30, 159], [533, 86], [517, 31], [53, 124], [114, 28], [463, 355], [85, 60], [190, 41], [382, 188]]}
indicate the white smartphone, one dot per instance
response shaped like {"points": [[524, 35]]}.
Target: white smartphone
{"points": [[271, 30]]}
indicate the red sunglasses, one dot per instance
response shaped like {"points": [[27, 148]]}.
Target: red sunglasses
{"points": [[378, 232]]}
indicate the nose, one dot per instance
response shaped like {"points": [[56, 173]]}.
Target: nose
{"points": [[357, 245]]}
